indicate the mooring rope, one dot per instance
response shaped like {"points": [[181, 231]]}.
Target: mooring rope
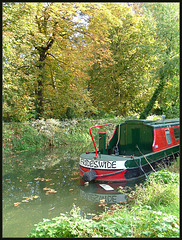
{"points": [[104, 175], [140, 167], [145, 159]]}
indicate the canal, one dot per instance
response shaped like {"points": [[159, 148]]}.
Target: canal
{"points": [[44, 183]]}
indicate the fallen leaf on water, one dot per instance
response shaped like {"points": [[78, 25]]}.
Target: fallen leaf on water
{"points": [[30, 198], [75, 173], [37, 179], [16, 204], [48, 179], [46, 189], [36, 197], [75, 178], [51, 191], [42, 179]]}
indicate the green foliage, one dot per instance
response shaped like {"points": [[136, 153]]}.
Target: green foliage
{"points": [[155, 224], [118, 86], [66, 60], [153, 212], [52, 132], [66, 225], [175, 166], [140, 222], [163, 177], [160, 190], [166, 64], [20, 137]]}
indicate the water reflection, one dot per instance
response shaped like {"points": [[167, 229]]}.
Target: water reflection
{"points": [[28, 174], [95, 193], [111, 192]]}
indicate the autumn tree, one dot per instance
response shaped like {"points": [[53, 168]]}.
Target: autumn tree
{"points": [[75, 59], [47, 48], [118, 86]]}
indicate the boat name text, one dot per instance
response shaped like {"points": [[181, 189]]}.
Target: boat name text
{"points": [[97, 164]]}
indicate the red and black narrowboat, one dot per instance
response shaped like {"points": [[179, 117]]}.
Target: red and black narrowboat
{"points": [[136, 148]]}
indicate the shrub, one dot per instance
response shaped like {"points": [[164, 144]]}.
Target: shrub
{"points": [[163, 177], [160, 189], [139, 222]]}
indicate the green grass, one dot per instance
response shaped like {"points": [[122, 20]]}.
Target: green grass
{"points": [[20, 137]]}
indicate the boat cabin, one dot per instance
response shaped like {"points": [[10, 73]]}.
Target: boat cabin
{"points": [[136, 137]]}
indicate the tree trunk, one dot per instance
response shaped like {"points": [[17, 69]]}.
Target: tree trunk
{"points": [[41, 65], [151, 103]]}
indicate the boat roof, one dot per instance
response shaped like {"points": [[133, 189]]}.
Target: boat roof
{"points": [[156, 124]]}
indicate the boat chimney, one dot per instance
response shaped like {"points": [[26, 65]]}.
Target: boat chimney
{"points": [[163, 118]]}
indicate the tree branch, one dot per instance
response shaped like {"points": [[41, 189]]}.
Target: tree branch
{"points": [[55, 58]]}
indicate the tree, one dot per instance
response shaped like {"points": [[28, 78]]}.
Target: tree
{"points": [[73, 59], [47, 46], [166, 16], [118, 85]]}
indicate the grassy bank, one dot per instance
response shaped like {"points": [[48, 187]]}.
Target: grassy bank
{"points": [[152, 210], [51, 132]]}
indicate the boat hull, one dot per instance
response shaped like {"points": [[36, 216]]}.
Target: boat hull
{"points": [[111, 168]]}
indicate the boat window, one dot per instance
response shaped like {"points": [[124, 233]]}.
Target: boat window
{"points": [[168, 136], [176, 133]]}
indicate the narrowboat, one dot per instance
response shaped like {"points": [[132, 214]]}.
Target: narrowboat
{"points": [[135, 148]]}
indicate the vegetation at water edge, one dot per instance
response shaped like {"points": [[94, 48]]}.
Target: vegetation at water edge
{"points": [[152, 211], [52, 132]]}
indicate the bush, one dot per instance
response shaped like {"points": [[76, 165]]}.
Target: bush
{"points": [[19, 137], [139, 222], [66, 225], [163, 177], [159, 190]]}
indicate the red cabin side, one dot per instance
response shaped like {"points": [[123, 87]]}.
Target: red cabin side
{"points": [[164, 138]]}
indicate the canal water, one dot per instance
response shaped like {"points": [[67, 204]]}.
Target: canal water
{"points": [[44, 183]]}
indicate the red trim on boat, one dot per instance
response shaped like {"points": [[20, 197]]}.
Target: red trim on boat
{"points": [[114, 177], [111, 136], [93, 138]]}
